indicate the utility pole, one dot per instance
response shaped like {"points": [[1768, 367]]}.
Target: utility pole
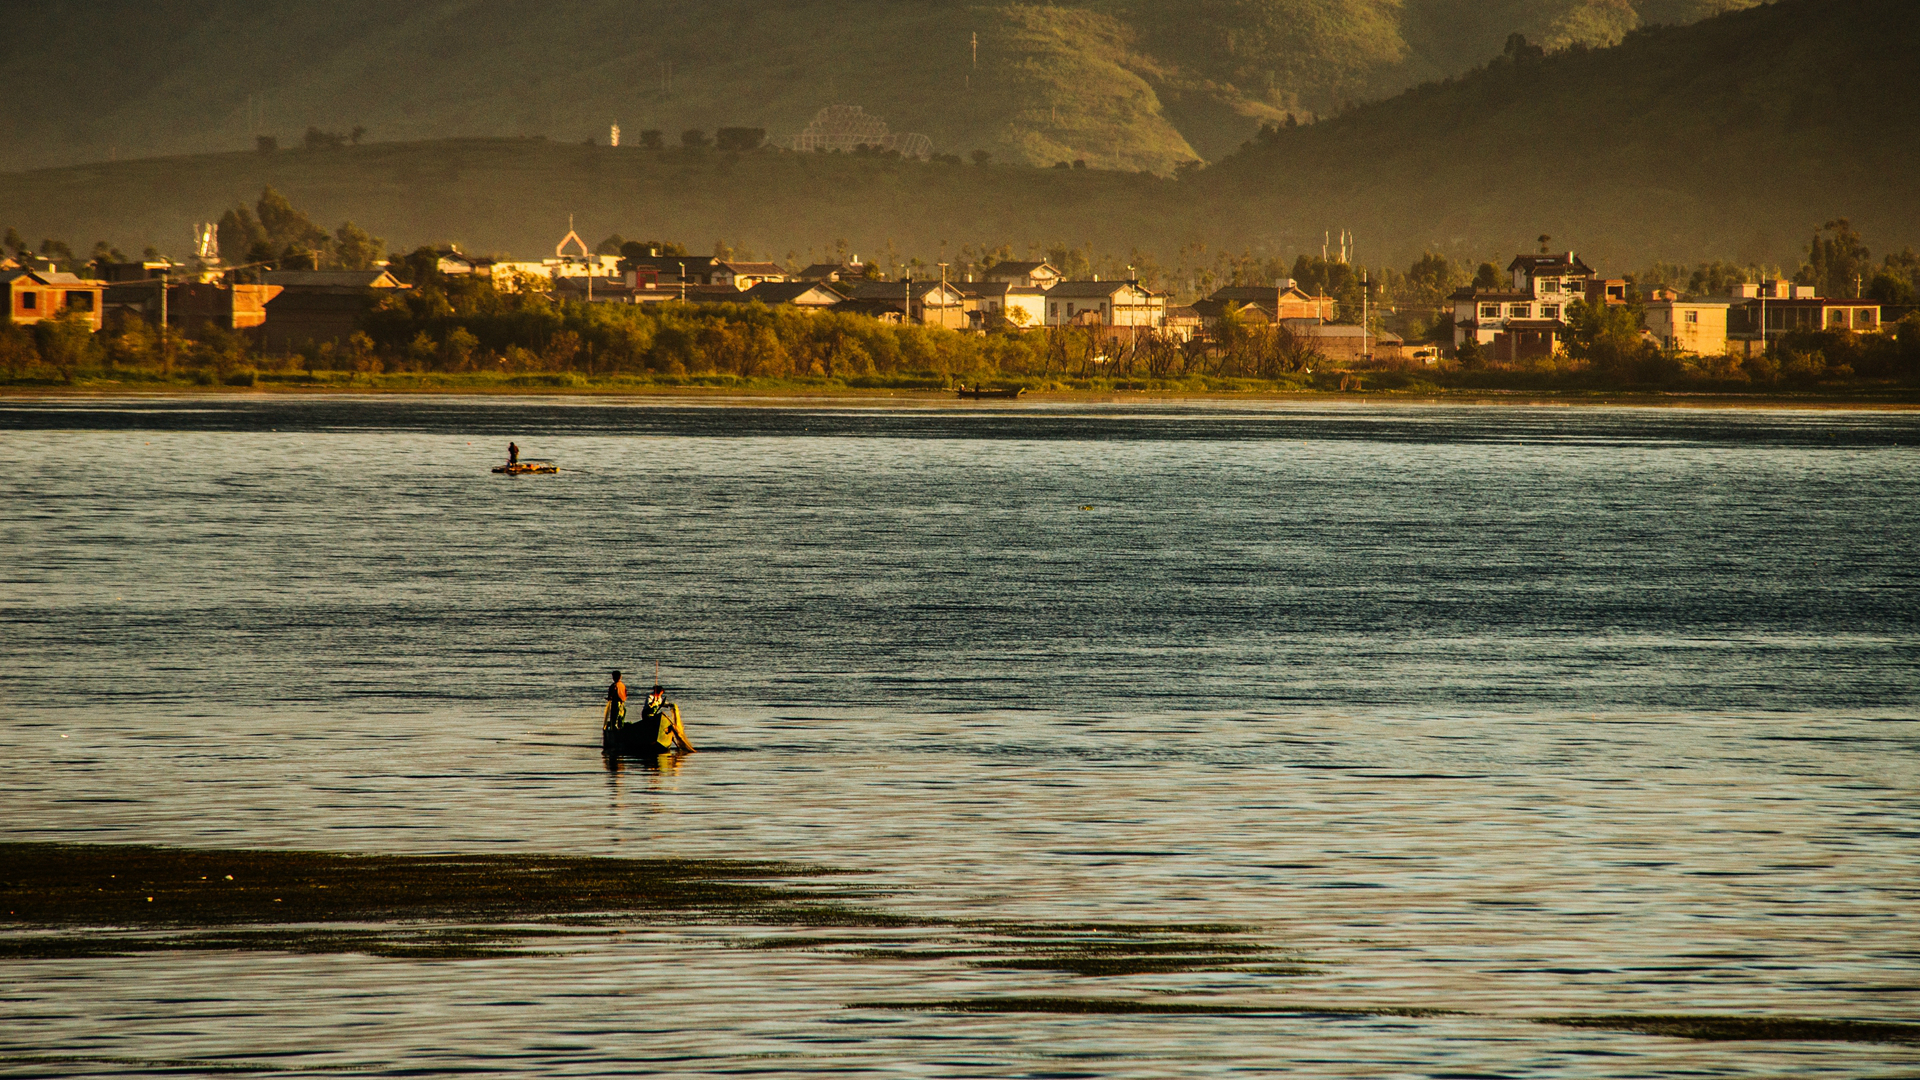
{"points": [[683, 283], [166, 365], [1365, 353]]}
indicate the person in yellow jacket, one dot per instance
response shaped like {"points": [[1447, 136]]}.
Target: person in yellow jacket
{"points": [[662, 717]]}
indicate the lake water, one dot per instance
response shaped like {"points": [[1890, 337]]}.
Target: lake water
{"points": [[1515, 711]]}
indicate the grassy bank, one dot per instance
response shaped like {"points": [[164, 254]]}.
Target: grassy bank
{"points": [[1486, 387]]}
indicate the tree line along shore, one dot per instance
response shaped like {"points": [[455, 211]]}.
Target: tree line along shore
{"points": [[487, 331]]}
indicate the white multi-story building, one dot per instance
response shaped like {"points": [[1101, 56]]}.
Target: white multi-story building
{"points": [[1529, 318]]}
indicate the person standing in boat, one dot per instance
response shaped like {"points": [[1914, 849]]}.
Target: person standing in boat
{"points": [[662, 718], [616, 702], [513, 458]]}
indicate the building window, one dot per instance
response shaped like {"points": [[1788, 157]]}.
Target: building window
{"points": [[1489, 311], [1693, 316], [1055, 308], [1837, 317], [1864, 317], [1519, 311], [29, 301], [1550, 285], [1550, 311], [80, 301]]}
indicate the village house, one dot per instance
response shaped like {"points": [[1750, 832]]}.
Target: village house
{"points": [[1529, 318], [744, 275], [996, 303], [634, 287], [1105, 303], [1183, 324], [195, 305], [851, 270], [930, 303], [675, 270], [807, 295], [133, 288], [879, 310], [456, 263], [1785, 308], [1342, 343], [34, 295], [1033, 275], [1689, 326], [1264, 303], [195, 297], [1607, 291], [319, 306]]}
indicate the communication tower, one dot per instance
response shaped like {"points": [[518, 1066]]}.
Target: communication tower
{"points": [[206, 242]]}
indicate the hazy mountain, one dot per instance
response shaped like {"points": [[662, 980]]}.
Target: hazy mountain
{"points": [[1733, 138], [1120, 83]]}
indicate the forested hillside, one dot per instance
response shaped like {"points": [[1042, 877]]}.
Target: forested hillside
{"points": [[1731, 139], [1128, 84]]}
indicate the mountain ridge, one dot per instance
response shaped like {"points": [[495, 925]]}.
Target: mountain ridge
{"points": [[1126, 84]]}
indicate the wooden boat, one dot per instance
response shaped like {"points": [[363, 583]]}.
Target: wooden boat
{"points": [[982, 392], [527, 467], [634, 739], [630, 741]]}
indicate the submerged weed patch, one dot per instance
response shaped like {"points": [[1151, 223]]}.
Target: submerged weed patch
{"points": [[75, 888], [1704, 1028]]}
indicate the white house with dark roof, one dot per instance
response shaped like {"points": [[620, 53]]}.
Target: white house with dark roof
{"points": [[1105, 303], [745, 275], [1037, 275], [1023, 306], [1529, 318]]}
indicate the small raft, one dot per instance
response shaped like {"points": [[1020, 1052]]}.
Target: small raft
{"points": [[527, 467]]}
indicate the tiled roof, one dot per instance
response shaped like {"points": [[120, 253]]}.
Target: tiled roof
{"points": [[1095, 289], [330, 279]]}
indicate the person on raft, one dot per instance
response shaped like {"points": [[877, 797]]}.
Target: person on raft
{"points": [[662, 717], [616, 702], [513, 458]]}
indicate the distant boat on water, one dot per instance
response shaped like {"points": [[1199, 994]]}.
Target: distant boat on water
{"points": [[982, 392], [519, 467]]}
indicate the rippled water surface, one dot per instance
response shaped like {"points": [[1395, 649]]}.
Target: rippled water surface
{"points": [[1512, 711]]}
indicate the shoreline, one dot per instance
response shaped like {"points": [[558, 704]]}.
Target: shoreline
{"points": [[916, 398]]}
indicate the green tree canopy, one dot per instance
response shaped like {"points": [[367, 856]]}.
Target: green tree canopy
{"points": [[1837, 262]]}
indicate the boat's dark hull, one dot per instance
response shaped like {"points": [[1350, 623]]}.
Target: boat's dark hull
{"points": [[630, 741], [968, 392]]}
